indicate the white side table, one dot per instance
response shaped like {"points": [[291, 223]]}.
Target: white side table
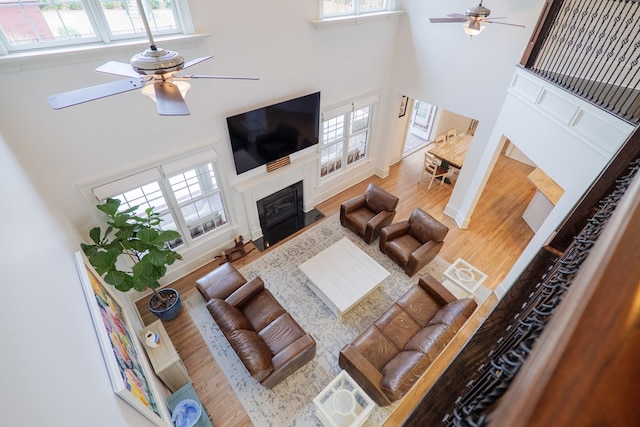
{"points": [[464, 276], [343, 403], [164, 358]]}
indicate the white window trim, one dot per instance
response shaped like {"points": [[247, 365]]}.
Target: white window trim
{"points": [[391, 5], [33, 59], [339, 110], [61, 52], [96, 191], [344, 20]]}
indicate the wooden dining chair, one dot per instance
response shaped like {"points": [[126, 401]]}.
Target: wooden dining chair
{"points": [[451, 133], [440, 139], [432, 168]]}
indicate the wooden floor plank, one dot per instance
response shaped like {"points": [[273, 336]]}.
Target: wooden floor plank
{"points": [[495, 238]]}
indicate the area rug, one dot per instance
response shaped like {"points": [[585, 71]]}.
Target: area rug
{"points": [[290, 402]]}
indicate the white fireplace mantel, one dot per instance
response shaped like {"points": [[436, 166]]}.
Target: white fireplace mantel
{"points": [[259, 186]]}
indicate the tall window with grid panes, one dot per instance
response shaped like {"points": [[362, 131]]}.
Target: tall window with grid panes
{"points": [[185, 193], [345, 136], [332, 8], [41, 24]]}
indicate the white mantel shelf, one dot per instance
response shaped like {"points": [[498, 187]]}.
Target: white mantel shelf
{"points": [[296, 163]]}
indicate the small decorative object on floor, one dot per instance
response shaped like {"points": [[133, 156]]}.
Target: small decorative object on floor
{"points": [[343, 403], [187, 393], [151, 339], [186, 413], [465, 276], [236, 252]]}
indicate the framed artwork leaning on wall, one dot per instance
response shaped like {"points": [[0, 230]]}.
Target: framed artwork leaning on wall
{"points": [[124, 358]]}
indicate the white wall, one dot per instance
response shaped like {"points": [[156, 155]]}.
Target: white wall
{"points": [[449, 120], [273, 40], [52, 371]]}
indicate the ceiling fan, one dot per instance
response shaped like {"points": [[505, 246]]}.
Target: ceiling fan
{"points": [[153, 71], [473, 19]]}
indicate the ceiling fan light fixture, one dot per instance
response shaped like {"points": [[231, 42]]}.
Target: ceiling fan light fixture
{"points": [[473, 27], [149, 90]]}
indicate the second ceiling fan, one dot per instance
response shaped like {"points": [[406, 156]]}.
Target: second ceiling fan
{"points": [[473, 19], [153, 71]]}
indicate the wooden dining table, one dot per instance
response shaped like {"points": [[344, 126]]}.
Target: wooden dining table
{"points": [[453, 150]]}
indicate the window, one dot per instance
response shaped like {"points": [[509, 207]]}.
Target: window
{"points": [[36, 24], [332, 8], [185, 193], [346, 133]]}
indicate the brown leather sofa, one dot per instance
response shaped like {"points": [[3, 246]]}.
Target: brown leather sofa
{"points": [[389, 357], [413, 243], [268, 341], [368, 213]]}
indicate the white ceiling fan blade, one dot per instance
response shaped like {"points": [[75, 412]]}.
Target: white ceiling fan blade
{"points": [[169, 99], [505, 23], [196, 61], [446, 20], [79, 96], [204, 76], [457, 15], [118, 68]]}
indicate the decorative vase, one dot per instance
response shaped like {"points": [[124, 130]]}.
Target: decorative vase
{"points": [[151, 339], [170, 312]]}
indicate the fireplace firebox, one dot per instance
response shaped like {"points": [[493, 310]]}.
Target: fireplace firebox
{"points": [[281, 214]]}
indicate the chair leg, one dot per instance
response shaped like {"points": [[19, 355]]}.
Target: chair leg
{"points": [[431, 182]]}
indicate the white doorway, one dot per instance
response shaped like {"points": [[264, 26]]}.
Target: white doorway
{"points": [[421, 125]]}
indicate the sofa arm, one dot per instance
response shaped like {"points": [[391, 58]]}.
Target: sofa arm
{"points": [[245, 292], [220, 283], [290, 359], [433, 287], [363, 373]]}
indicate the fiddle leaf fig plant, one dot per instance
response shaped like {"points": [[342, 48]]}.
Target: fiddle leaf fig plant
{"points": [[140, 240]]}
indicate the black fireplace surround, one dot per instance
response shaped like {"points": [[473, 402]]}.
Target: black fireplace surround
{"points": [[281, 214]]}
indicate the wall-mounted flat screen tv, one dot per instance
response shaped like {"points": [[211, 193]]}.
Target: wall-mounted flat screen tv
{"points": [[267, 134]]}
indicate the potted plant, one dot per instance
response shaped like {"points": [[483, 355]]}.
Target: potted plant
{"points": [[140, 240]]}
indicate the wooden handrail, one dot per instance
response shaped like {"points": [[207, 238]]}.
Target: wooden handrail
{"points": [[584, 369]]}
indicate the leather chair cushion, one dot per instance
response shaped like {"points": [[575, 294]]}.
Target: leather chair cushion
{"points": [[401, 248], [375, 347], [253, 352], [428, 340], [402, 372], [281, 333], [228, 317], [245, 292], [398, 326], [453, 311], [221, 282], [262, 309], [358, 219], [419, 304]]}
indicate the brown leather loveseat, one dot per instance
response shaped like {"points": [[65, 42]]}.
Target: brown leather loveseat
{"points": [[390, 356], [268, 341]]}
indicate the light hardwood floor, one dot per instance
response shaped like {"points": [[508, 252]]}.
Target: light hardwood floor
{"points": [[496, 236]]}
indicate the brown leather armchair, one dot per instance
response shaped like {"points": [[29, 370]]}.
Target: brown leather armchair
{"points": [[412, 244], [367, 214]]}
